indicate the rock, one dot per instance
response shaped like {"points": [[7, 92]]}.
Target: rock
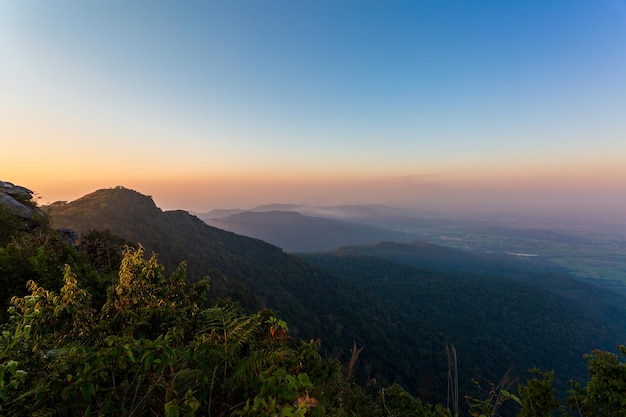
{"points": [[17, 199], [16, 207], [17, 191], [69, 236]]}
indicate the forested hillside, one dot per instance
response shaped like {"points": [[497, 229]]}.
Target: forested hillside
{"points": [[606, 304], [144, 343], [494, 323], [403, 317]]}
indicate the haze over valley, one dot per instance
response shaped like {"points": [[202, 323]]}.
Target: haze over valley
{"points": [[593, 251]]}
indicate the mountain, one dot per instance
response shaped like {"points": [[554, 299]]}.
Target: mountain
{"points": [[295, 232], [217, 213], [347, 212], [401, 315], [249, 271], [257, 273]]}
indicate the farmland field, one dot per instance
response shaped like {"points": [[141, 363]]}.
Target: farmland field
{"points": [[598, 254]]}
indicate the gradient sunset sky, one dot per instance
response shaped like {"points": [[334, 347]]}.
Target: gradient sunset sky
{"points": [[510, 105]]}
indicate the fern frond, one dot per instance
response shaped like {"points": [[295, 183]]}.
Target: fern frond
{"points": [[257, 361], [228, 326]]}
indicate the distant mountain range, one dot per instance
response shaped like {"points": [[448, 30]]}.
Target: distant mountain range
{"points": [[296, 232], [402, 301], [351, 212], [583, 251], [308, 228]]}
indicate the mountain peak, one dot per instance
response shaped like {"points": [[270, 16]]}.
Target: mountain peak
{"points": [[109, 208], [119, 196]]}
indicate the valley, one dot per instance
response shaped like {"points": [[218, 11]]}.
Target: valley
{"points": [[597, 256], [594, 252]]}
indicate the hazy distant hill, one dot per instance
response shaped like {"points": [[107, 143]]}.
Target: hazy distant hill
{"points": [[350, 212], [294, 232], [401, 315]]}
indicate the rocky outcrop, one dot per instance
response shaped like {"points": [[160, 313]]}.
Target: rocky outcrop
{"points": [[19, 200], [69, 236]]}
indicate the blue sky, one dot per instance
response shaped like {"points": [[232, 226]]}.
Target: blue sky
{"points": [[253, 102]]}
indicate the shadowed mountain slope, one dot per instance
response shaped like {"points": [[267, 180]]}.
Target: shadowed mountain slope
{"points": [[253, 272]]}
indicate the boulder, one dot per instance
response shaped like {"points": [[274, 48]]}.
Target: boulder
{"points": [[17, 199], [69, 236]]}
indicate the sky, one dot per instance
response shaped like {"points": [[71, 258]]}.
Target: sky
{"points": [[430, 104]]}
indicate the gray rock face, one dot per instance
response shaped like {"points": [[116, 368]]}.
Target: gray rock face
{"points": [[69, 236], [16, 198]]}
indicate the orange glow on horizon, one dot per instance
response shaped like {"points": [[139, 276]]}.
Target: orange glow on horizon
{"points": [[201, 190]]}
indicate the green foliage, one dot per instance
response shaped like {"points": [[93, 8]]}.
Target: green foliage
{"points": [[32, 250], [145, 303], [604, 394], [150, 351], [489, 402], [13, 226], [55, 319], [10, 225], [537, 395], [405, 405], [280, 395], [40, 256], [104, 249]]}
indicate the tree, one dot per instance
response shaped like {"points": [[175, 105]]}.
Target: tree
{"points": [[604, 394], [104, 249], [537, 395], [40, 255]]}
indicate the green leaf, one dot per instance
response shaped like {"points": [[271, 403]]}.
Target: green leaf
{"points": [[171, 410], [87, 391]]}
